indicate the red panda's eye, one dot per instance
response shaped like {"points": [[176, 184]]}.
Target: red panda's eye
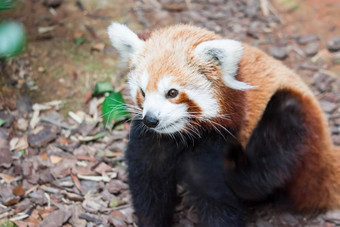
{"points": [[141, 90], [172, 93]]}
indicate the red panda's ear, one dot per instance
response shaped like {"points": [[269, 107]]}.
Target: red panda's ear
{"points": [[124, 40], [226, 54]]}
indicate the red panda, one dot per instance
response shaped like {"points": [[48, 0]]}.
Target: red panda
{"points": [[226, 120]]}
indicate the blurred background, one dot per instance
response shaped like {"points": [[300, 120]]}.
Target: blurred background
{"points": [[62, 93]]}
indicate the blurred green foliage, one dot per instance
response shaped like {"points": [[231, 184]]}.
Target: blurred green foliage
{"points": [[12, 34], [101, 88], [6, 4], [12, 39], [7, 223], [114, 109]]}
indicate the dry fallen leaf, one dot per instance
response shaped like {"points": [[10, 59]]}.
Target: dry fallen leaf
{"points": [[7, 178], [76, 181], [102, 168], [86, 158], [55, 159], [18, 190], [43, 156], [18, 143]]}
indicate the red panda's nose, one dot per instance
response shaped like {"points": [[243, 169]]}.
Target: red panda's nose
{"points": [[150, 120]]}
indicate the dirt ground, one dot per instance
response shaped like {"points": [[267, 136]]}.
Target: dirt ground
{"points": [[60, 167]]}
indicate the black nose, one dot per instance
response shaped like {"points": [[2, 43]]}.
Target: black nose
{"points": [[150, 120]]}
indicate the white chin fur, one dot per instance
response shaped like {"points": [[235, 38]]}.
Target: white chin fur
{"points": [[171, 128]]}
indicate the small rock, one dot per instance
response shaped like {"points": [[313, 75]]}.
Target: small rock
{"points": [[5, 154], [47, 134], [337, 121], [263, 223], [87, 186], [102, 168], [288, 219], [307, 39], [24, 105], [328, 107], [8, 198], [128, 213], [22, 124], [334, 44], [116, 186], [254, 29], [90, 218], [38, 197], [278, 52], [87, 129], [56, 218], [336, 139], [336, 58], [63, 168], [332, 97], [94, 204], [45, 176], [332, 216], [122, 173], [335, 130], [311, 49], [52, 3], [117, 221], [252, 9], [76, 210], [29, 170], [323, 82], [7, 117]]}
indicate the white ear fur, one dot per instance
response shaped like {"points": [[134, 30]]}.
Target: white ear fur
{"points": [[226, 54], [124, 40]]}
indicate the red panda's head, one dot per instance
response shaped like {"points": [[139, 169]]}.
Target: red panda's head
{"points": [[180, 76]]}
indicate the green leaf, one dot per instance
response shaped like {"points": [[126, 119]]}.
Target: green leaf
{"points": [[79, 41], [2, 121], [114, 109], [6, 4], [101, 88], [99, 135], [7, 223], [12, 39], [115, 202]]}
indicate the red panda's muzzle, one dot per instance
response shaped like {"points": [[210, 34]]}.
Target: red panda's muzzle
{"points": [[150, 120]]}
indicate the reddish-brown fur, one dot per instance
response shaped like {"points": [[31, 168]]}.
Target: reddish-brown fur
{"points": [[316, 183], [193, 109]]}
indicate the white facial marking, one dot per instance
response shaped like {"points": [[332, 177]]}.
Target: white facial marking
{"points": [[170, 116], [144, 80], [227, 54], [166, 83], [133, 85], [206, 101]]}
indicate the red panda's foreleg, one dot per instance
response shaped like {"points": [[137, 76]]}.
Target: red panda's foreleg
{"points": [[151, 176], [202, 171], [273, 151]]}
